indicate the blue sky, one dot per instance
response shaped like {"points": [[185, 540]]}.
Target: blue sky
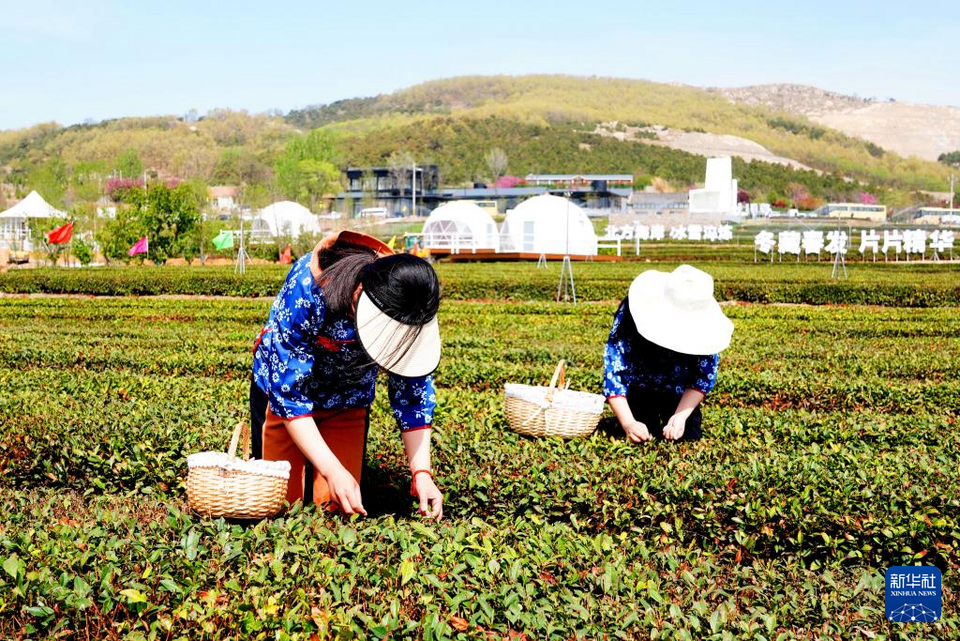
{"points": [[69, 61]]}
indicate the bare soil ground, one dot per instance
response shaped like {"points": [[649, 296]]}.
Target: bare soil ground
{"points": [[703, 144]]}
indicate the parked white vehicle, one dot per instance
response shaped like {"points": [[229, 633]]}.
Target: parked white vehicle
{"points": [[373, 212]]}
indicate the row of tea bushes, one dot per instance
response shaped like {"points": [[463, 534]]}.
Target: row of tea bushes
{"points": [[901, 285], [831, 453]]}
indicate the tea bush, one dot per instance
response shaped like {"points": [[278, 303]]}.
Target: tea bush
{"points": [[831, 453], [895, 284]]}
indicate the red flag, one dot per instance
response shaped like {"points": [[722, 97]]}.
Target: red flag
{"points": [[139, 247], [61, 235], [285, 258]]}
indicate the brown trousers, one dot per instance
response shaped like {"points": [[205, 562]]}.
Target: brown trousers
{"points": [[344, 431]]}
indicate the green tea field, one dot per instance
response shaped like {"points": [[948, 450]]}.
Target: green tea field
{"points": [[831, 452]]}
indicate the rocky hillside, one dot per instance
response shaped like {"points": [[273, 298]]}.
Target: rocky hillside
{"points": [[802, 100], [924, 131]]}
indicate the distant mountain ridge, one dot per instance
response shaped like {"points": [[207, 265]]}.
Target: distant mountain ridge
{"points": [[545, 123], [924, 131], [803, 100], [773, 116]]}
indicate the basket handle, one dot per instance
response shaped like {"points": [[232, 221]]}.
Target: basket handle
{"points": [[559, 375], [240, 431]]}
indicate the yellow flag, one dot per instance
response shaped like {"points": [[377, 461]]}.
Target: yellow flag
{"points": [[392, 243]]}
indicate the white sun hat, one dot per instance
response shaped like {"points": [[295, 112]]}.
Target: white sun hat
{"points": [[677, 310], [400, 341]]}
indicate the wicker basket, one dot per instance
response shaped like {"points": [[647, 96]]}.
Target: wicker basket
{"points": [[220, 484], [535, 410]]}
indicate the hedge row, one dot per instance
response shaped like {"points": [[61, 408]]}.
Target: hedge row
{"points": [[761, 283]]}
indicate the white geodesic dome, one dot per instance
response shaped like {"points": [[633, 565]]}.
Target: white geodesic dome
{"points": [[544, 224], [285, 218], [460, 226]]}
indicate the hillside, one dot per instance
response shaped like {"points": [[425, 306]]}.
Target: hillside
{"points": [[544, 123], [562, 99], [924, 131], [696, 142], [794, 99], [223, 147], [458, 146]]}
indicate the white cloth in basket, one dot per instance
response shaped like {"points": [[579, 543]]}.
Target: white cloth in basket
{"points": [[562, 398], [278, 469]]}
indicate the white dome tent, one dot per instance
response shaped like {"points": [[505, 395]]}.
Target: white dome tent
{"points": [[460, 226], [285, 218], [538, 226]]}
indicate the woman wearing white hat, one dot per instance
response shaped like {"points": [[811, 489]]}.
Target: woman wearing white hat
{"points": [[348, 308], [662, 355]]}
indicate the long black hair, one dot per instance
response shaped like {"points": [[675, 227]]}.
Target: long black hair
{"points": [[403, 286], [342, 266]]}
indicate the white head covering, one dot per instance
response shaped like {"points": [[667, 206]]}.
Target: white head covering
{"points": [[381, 336], [677, 310]]}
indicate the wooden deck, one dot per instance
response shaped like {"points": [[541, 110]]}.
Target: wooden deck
{"points": [[487, 255]]}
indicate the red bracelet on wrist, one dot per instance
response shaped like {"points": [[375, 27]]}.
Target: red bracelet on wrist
{"points": [[413, 480]]}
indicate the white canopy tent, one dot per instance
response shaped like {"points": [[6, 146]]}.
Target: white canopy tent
{"points": [[15, 222], [460, 226], [548, 224], [283, 218]]}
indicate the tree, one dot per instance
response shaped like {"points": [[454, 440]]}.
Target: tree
{"points": [[129, 164], [743, 196], [798, 192], [119, 233], [239, 165], [39, 228], [86, 180], [400, 164], [497, 162], [307, 169], [950, 158], [254, 196], [50, 180], [168, 216], [369, 186], [508, 182], [660, 185], [83, 251]]}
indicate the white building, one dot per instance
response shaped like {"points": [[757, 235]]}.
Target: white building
{"points": [[460, 226], [719, 194], [285, 218], [15, 222], [223, 197], [548, 224]]}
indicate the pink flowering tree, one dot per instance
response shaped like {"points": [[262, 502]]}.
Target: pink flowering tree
{"points": [[507, 182], [867, 199], [118, 188]]}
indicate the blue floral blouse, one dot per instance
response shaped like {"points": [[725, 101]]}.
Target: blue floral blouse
{"points": [[307, 359], [632, 360]]}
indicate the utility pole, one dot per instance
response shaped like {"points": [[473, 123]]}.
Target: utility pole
{"points": [[952, 179], [413, 193]]}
